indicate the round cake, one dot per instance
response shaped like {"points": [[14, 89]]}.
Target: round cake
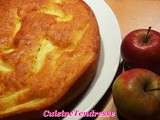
{"points": [[47, 49]]}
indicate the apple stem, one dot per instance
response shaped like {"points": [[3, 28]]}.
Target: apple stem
{"points": [[147, 36]]}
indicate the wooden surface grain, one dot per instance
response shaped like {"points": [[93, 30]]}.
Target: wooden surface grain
{"points": [[131, 15], [135, 14]]}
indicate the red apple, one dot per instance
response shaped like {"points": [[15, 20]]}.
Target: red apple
{"points": [[136, 94], [141, 48]]}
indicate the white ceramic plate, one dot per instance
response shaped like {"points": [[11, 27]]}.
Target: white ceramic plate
{"points": [[110, 56]]}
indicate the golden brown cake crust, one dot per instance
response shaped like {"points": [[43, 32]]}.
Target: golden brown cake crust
{"points": [[45, 47]]}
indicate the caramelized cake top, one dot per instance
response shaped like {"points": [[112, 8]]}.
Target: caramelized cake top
{"points": [[45, 46]]}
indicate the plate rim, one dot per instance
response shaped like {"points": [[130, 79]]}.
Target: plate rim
{"points": [[107, 18]]}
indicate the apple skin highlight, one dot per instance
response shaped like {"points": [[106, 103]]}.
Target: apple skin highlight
{"points": [[136, 94]]}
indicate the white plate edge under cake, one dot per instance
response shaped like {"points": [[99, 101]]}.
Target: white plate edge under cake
{"points": [[109, 58]]}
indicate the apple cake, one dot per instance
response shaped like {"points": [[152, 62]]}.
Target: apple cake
{"points": [[47, 49]]}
